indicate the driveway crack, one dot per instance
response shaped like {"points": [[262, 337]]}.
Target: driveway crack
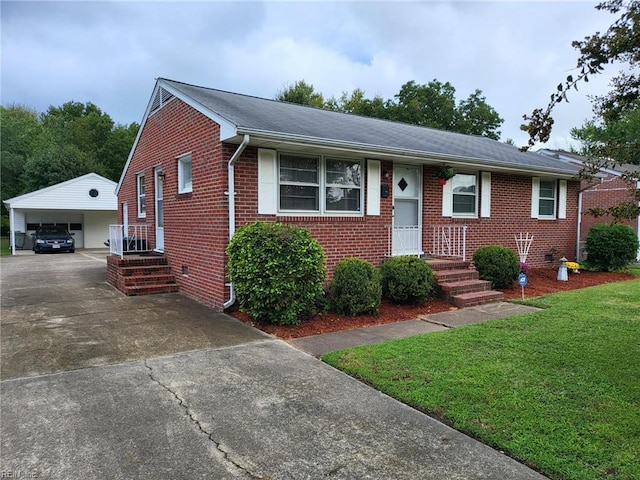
{"points": [[198, 424]]}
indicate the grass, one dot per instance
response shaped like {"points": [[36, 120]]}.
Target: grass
{"points": [[558, 390], [5, 246]]}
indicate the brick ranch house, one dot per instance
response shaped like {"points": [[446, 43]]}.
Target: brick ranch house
{"points": [[206, 162], [606, 189]]}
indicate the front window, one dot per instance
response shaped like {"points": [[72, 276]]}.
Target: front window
{"points": [[299, 183], [547, 199], [464, 194], [142, 211], [319, 185], [343, 185], [184, 174]]}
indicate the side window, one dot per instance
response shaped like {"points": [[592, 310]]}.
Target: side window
{"points": [[547, 199], [142, 210], [184, 174]]}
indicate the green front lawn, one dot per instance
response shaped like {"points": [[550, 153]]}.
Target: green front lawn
{"points": [[558, 390]]}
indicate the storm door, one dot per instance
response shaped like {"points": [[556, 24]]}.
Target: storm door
{"points": [[407, 210]]}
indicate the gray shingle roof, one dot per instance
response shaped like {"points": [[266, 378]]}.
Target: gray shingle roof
{"points": [[258, 115]]}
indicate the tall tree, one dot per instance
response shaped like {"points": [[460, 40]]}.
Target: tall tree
{"points": [[20, 132], [477, 117], [621, 44], [301, 93], [612, 137]]}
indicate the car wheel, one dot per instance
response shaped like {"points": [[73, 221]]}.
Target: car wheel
{"points": [[72, 250]]}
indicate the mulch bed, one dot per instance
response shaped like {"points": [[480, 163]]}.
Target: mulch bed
{"points": [[541, 282]]}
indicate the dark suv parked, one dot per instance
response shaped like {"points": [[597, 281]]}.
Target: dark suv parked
{"points": [[53, 239]]}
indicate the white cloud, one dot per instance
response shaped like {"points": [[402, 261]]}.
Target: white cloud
{"points": [[111, 52]]}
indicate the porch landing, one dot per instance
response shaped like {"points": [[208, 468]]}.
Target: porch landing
{"points": [[459, 284]]}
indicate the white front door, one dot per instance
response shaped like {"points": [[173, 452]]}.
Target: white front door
{"points": [[407, 210], [159, 209]]}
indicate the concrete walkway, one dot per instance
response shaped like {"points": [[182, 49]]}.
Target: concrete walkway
{"points": [[241, 404], [318, 344]]}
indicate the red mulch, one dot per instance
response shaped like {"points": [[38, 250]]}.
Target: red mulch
{"points": [[541, 282]]}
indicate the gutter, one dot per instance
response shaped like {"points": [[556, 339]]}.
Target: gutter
{"points": [[232, 206]]}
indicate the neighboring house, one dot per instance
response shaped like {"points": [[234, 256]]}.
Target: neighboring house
{"points": [[85, 205], [606, 189], [206, 162]]}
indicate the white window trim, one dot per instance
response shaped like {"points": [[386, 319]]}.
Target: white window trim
{"points": [[182, 187], [141, 197], [450, 195], [322, 186], [535, 199]]}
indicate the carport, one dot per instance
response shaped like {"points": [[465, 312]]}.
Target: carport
{"points": [[86, 205]]}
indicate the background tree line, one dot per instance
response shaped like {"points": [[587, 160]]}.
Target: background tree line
{"points": [[43, 149], [430, 105]]}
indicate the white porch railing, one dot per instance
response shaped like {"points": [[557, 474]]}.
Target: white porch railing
{"points": [[405, 240], [449, 241], [134, 240]]}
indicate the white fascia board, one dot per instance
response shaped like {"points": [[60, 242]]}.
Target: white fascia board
{"points": [[227, 128], [405, 154], [50, 188]]}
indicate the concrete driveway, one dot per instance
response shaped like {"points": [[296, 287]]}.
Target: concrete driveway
{"points": [[97, 385]]}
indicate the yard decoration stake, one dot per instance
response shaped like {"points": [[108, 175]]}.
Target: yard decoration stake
{"points": [[524, 244]]}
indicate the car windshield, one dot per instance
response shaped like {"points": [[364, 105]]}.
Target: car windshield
{"points": [[52, 231]]}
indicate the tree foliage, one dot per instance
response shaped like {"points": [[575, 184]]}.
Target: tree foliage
{"points": [[43, 149], [431, 105], [301, 93], [39, 150], [611, 139], [620, 43]]}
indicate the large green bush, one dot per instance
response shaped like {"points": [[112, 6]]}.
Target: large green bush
{"points": [[611, 247], [497, 264], [355, 288], [407, 279], [277, 271]]}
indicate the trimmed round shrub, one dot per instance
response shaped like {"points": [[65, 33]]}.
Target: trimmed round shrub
{"points": [[407, 280], [611, 247], [355, 288], [497, 264], [277, 272]]}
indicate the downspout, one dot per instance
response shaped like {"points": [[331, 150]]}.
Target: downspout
{"points": [[232, 206], [579, 225]]}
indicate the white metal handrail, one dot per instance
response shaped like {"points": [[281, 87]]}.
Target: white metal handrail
{"points": [[134, 240], [449, 241], [405, 240]]}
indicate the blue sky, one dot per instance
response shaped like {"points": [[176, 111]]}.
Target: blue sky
{"points": [[110, 53]]}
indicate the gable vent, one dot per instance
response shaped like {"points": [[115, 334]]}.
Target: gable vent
{"points": [[161, 98]]}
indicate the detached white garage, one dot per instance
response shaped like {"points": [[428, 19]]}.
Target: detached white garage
{"points": [[86, 205]]}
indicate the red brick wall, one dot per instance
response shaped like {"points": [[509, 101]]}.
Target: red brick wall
{"points": [[196, 224], [604, 193]]}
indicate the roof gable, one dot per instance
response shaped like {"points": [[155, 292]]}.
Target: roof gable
{"points": [[70, 195]]}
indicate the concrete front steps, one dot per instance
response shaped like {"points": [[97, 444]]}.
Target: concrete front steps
{"points": [[141, 275], [460, 284]]}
